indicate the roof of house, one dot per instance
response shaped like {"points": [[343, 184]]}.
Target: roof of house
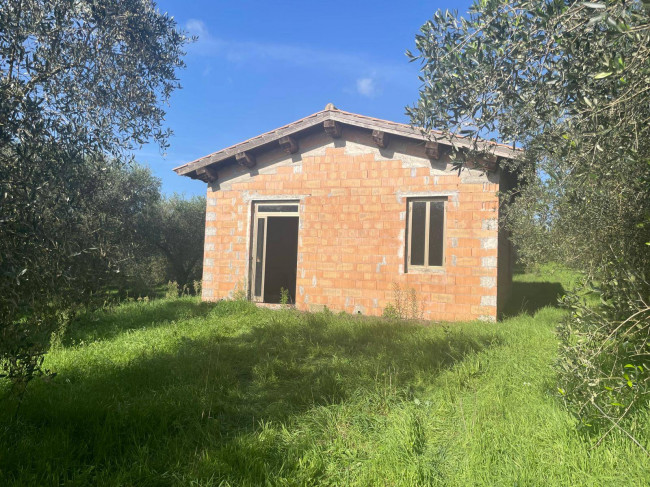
{"points": [[326, 118]]}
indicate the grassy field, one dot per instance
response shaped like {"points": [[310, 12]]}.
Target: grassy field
{"points": [[178, 392]]}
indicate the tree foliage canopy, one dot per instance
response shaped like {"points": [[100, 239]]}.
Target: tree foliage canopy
{"points": [[81, 82], [569, 81], [176, 228], [88, 76]]}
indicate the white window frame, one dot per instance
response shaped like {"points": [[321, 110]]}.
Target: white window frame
{"points": [[427, 219], [256, 216]]}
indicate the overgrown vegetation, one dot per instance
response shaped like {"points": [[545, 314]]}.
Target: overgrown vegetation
{"points": [[180, 392], [567, 81]]}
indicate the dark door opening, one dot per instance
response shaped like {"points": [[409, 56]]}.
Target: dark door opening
{"points": [[281, 258], [274, 251]]}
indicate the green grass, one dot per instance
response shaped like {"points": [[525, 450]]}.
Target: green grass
{"points": [[178, 392]]}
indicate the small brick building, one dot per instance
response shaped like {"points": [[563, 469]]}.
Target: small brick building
{"points": [[338, 208]]}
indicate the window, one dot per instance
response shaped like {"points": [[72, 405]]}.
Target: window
{"points": [[426, 229]]}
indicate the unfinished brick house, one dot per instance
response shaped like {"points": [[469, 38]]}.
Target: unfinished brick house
{"points": [[338, 208]]}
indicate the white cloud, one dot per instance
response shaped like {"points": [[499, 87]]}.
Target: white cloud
{"points": [[366, 87], [259, 53], [197, 27]]}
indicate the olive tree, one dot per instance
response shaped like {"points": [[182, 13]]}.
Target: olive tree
{"points": [[173, 232], [569, 82], [81, 83]]}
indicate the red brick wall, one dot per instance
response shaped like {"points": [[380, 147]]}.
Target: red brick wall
{"points": [[351, 245]]}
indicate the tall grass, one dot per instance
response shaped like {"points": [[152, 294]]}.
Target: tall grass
{"points": [[178, 392]]}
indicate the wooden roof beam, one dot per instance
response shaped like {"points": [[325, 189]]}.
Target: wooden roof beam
{"points": [[245, 159], [381, 138], [432, 149], [289, 144], [491, 162], [207, 174], [332, 128]]}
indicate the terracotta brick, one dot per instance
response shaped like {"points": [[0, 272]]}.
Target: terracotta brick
{"points": [[468, 261], [467, 299], [461, 252]]}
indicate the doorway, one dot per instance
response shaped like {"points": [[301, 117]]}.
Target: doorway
{"points": [[275, 251]]}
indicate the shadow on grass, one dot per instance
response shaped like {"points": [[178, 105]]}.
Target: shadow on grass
{"points": [[130, 422], [530, 297], [108, 323]]}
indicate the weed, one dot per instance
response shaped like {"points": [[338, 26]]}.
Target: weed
{"points": [[416, 312], [197, 286], [404, 306], [284, 296], [240, 294], [185, 290], [398, 297], [390, 312], [171, 290]]}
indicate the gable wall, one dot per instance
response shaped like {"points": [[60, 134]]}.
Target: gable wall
{"points": [[351, 247]]}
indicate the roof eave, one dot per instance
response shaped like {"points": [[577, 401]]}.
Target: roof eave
{"points": [[345, 118]]}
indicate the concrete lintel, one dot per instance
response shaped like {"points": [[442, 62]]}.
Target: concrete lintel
{"points": [[451, 195], [248, 197]]}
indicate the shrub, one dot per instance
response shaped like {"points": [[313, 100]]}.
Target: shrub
{"points": [[605, 355]]}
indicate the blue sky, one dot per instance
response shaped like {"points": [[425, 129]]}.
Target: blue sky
{"points": [[258, 65]]}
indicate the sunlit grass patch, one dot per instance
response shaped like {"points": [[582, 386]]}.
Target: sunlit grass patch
{"points": [[175, 392]]}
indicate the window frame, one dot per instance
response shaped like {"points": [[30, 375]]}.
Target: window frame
{"points": [[409, 232]]}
